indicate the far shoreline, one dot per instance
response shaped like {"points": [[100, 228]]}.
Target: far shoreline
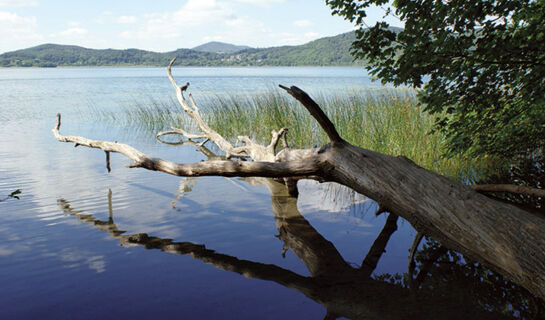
{"points": [[185, 66]]}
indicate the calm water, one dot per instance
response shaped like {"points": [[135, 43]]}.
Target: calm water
{"points": [[82, 243]]}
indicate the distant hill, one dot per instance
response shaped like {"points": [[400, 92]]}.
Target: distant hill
{"points": [[219, 47], [330, 51], [322, 52], [52, 55]]}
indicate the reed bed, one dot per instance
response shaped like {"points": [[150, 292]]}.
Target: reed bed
{"points": [[389, 123]]}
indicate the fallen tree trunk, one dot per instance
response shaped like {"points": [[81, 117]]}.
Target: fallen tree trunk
{"points": [[505, 238]]}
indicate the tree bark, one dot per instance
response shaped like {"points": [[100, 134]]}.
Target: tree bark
{"points": [[505, 238]]}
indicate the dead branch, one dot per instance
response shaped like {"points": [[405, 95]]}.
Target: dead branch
{"points": [[227, 168], [505, 238], [316, 112], [509, 188], [182, 133], [193, 112]]}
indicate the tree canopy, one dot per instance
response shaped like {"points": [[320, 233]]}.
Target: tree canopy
{"points": [[480, 65]]}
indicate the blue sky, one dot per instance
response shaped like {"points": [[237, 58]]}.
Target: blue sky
{"points": [[164, 25]]}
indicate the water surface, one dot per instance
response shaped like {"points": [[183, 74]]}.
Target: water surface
{"points": [[82, 243]]}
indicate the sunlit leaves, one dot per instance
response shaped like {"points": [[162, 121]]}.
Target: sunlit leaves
{"points": [[481, 61]]}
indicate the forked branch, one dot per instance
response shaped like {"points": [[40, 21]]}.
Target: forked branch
{"points": [[227, 168], [316, 112], [193, 112]]}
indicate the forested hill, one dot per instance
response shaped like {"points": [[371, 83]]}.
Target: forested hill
{"points": [[330, 51], [219, 47]]}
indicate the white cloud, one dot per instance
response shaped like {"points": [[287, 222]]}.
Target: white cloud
{"points": [[103, 17], [243, 31], [311, 35], [10, 21], [302, 23], [214, 38], [73, 258], [235, 22], [126, 35], [17, 32], [126, 19], [201, 13], [193, 18], [5, 251], [18, 3], [263, 3], [73, 32]]}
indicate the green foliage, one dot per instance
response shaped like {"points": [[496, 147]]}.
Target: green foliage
{"points": [[482, 63], [321, 52]]}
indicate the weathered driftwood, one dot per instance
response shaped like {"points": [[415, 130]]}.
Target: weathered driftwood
{"points": [[505, 238]]}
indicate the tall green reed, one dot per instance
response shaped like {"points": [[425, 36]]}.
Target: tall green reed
{"points": [[390, 122]]}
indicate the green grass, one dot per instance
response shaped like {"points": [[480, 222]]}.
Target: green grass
{"points": [[146, 118], [392, 123]]}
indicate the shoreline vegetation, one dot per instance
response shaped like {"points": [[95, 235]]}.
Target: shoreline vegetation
{"points": [[391, 122], [329, 51]]}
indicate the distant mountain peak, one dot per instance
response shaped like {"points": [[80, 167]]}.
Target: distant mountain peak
{"points": [[219, 47]]}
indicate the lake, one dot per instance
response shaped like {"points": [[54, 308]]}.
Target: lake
{"points": [[82, 243]]}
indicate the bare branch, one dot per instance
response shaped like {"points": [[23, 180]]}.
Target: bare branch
{"points": [[285, 141], [252, 150], [181, 132], [194, 113], [316, 112], [510, 188], [276, 135], [225, 168]]}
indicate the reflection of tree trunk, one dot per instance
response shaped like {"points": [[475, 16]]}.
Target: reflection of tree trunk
{"points": [[427, 265], [317, 253], [369, 264], [341, 289]]}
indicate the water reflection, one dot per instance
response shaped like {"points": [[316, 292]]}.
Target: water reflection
{"points": [[444, 270], [525, 172], [446, 286], [13, 195]]}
